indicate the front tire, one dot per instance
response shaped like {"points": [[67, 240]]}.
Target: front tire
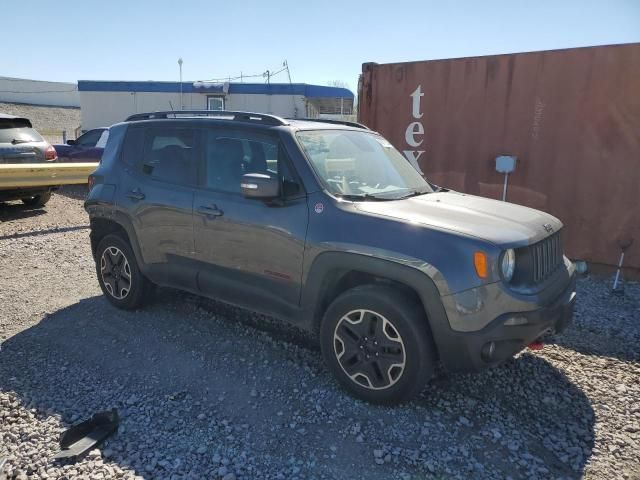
{"points": [[37, 201], [376, 342], [119, 277]]}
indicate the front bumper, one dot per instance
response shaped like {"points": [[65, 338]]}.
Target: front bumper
{"points": [[469, 351]]}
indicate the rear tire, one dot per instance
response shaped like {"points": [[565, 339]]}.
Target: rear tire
{"points": [[376, 342], [37, 201], [119, 277]]}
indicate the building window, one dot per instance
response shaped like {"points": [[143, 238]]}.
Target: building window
{"points": [[215, 103]]}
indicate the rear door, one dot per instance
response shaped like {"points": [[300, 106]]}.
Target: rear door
{"points": [[156, 191], [250, 251]]}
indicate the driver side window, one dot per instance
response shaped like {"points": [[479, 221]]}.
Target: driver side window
{"points": [[228, 156]]}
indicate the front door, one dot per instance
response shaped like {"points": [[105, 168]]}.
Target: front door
{"points": [[251, 251], [157, 191]]}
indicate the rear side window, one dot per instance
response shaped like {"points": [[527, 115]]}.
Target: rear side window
{"points": [[164, 154], [132, 148], [17, 130], [169, 155]]}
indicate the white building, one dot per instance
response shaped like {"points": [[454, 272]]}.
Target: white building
{"points": [[104, 103], [38, 92]]}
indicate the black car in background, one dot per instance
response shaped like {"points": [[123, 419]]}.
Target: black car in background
{"points": [[21, 143], [88, 147]]}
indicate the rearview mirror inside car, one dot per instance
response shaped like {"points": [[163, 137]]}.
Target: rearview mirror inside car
{"points": [[259, 185]]}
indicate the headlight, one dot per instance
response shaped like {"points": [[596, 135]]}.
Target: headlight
{"points": [[508, 264]]}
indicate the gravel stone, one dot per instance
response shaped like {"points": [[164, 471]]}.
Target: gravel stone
{"points": [[569, 410]]}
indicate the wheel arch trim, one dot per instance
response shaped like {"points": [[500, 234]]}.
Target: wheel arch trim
{"points": [[121, 221], [329, 267]]}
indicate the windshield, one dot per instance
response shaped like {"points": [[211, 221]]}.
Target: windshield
{"points": [[359, 164]]}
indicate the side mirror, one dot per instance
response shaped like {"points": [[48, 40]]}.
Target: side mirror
{"points": [[259, 185], [71, 142]]}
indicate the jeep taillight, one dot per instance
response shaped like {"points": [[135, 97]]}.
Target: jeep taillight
{"points": [[91, 182], [50, 154]]}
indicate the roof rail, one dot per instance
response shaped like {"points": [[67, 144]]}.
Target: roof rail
{"points": [[337, 122], [236, 116]]}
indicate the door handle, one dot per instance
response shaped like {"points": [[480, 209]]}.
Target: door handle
{"points": [[210, 210], [135, 194]]}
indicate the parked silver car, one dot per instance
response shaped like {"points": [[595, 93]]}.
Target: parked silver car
{"points": [[21, 143]]}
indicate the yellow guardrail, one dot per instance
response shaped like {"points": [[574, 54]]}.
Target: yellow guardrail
{"points": [[14, 175]]}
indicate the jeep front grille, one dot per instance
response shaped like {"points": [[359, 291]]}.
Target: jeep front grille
{"points": [[546, 257]]}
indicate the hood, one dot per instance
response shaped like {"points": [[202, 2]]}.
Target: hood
{"points": [[501, 223]]}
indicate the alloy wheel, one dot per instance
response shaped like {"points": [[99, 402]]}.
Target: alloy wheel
{"points": [[116, 272], [369, 349]]}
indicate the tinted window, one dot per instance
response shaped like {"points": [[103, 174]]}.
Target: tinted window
{"points": [[228, 157], [133, 144], [89, 139], [16, 130], [169, 155]]}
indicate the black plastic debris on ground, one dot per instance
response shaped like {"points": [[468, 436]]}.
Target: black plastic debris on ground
{"points": [[84, 436]]}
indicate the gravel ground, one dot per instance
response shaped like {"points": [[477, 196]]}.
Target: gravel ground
{"points": [[203, 395]]}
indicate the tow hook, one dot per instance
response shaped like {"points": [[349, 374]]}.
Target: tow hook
{"points": [[536, 346]]}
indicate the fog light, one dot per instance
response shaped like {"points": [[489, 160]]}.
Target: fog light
{"points": [[488, 349]]}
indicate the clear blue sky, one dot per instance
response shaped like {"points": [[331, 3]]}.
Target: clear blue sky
{"points": [[68, 40]]}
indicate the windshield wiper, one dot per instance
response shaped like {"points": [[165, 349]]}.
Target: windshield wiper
{"points": [[412, 193], [361, 196], [15, 141], [437, 188]]}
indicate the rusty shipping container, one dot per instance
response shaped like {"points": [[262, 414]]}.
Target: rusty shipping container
{"points": [[572, 118]]}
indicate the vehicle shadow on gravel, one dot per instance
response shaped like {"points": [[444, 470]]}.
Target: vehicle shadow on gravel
{"points": [[14, 211], [198, 391]]}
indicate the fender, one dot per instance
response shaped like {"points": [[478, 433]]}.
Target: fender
{"points": [[120, 219], [329, 267]]}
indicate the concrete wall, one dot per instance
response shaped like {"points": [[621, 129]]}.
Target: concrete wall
{"points": [[101, 109], [37, 92]]}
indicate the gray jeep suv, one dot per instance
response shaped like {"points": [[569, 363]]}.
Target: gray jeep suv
{"points": [[325, 225]]}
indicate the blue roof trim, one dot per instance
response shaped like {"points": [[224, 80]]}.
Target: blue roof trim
{"points": [[165, 87], [311, 91]]}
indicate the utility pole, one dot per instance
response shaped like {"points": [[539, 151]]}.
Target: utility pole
{"points": [[267, 74], [285, 64], [180, 66]]}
